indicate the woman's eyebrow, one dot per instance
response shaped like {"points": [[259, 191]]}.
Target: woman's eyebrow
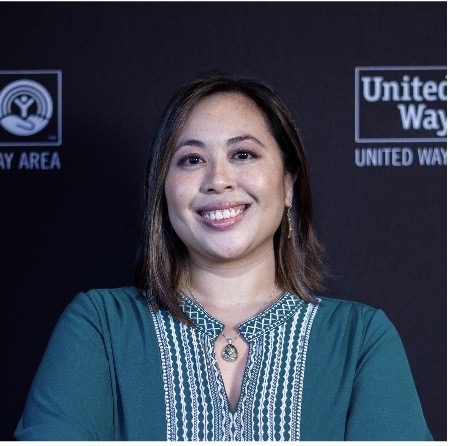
{"points": [[189, 142], [230, 141], [241, 138]]}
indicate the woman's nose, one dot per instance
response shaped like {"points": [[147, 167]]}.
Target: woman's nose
{"points": [[218, 178]]}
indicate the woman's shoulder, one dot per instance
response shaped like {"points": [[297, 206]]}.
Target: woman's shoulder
{"points": [[111, 296], [360, 329], [108, 305], [334, 304], [336, 311]]}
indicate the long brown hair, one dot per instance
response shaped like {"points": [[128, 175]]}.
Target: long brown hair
{"points": [[162, 263]]}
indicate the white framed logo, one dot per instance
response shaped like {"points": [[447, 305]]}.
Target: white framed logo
{"points": [[31, 108], [400, 104]]}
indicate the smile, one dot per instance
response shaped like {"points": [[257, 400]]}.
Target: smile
{"points": [[223, 214]]}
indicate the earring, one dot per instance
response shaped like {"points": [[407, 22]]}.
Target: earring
{"points": [[289, 221]]}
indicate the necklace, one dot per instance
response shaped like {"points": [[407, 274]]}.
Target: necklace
{"points": [[229, 352]]}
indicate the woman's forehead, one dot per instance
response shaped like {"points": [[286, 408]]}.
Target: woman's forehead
{"points": [[230, 113]]}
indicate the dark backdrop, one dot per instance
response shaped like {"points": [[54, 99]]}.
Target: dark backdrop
{"points": [[75, 227]]}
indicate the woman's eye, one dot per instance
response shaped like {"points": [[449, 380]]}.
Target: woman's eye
{"points": [[190, 160], [243, 155]]}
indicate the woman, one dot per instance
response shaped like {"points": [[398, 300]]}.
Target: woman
{"points": [[223, 338]]}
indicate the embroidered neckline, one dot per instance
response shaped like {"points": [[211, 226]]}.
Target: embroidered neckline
{"points": [[284, 308], [270, 403]]}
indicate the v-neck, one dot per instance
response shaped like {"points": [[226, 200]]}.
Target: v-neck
{"points": [[269, 405], [250, 330]]}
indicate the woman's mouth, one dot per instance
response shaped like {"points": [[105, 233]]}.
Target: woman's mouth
{"points": [[223, 214]]}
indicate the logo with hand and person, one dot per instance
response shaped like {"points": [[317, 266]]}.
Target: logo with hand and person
{"points": [[30, 108]]}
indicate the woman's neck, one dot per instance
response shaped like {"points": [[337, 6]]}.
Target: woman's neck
{"points": [[233, 295]]}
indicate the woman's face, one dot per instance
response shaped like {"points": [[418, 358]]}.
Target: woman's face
{"points": [[226, 189]]}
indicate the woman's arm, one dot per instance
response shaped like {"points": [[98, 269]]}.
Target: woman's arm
{"points": [[71, 397], [384, 403]]}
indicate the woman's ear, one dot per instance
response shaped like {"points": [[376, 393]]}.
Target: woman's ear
{"points": [[289, 181]]}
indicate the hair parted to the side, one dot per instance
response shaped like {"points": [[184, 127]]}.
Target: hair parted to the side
{"points": [[162, 262]]}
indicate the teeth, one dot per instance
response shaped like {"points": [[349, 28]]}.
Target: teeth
{"points": [[223, 213]]}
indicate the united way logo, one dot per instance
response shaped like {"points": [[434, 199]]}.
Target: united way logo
{"points": [[30, 108], [400, 104]]}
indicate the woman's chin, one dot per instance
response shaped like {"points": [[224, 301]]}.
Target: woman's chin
{"points": [[220, 252], [227, 255]]}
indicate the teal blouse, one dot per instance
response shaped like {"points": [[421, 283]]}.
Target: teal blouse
{"points": [[115, 369]]}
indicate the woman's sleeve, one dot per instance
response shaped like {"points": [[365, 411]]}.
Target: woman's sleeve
{"points": [[71, 395], [384, 403]]}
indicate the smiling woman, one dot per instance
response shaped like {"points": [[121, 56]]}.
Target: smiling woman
{"points": [[223, 337], [219, 129], [226, 188]]}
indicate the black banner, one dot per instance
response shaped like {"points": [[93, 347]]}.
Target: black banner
{"points": [[82, 84]]}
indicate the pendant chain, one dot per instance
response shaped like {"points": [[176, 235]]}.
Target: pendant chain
{"points": [[230, 341], [229, 352]]}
